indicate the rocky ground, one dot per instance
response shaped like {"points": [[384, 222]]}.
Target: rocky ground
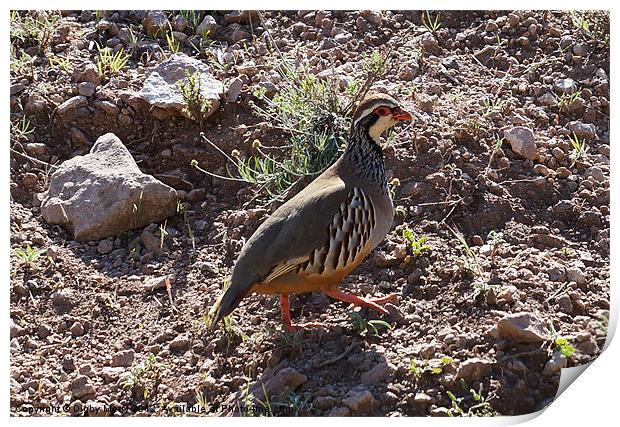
{"points": [[482, 327]]}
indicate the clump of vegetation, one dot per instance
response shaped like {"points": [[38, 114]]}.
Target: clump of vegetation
{"points": [[593, 25], [33, 28], [560, 343], [368, 327], [232, 331], [173, 43], [315, 113], [418, 368], [134, 379], [196, 104], [431, 24], [193, 18], [566, 100], [475, 403], [580, 146], [416, 246], [23, 127], [29, 255], [110, 64]]}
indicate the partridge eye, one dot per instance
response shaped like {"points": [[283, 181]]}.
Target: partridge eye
{"points": [[382, 111]]}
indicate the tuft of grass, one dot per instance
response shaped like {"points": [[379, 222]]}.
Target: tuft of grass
{"points": [[33, 28], [315, 115], [23, 126], [416, 246], [59, 62], [368, 327], [173, 43], [560, 343], [193, 18], [431, 24], [580, 146], [417, 368], [477, 404], [593, 25], [133, 380], [566, 100], [29, 255], [196, 104], [110, 64]]}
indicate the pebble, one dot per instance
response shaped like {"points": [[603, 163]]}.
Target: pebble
{"points": [[80, 387], [63, 297], [521, 140], [522, 327], [474, 369], [105, 246], [582, 130], [377, 374], [555, 364], [359, 401], [180, 342], [563, 86], [123, 358]]}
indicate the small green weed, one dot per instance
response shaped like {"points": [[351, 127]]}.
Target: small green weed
{"points": [[478, 405], [23, 126], [580, 146], [110, 64], [196, 104], [560, 343], [417, 368], [416, 246], [29, 256], [368, 327], [566, 100], [133, 380], [431, 24]]}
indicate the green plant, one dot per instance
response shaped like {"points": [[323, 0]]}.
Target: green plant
{"points": [[33, 28], [495, 239], [560, 343], [492, 105], [182, 210], [173, 43], [314, 115], [593, 25], [29, 255], [366, 327], [580, 146], [417, 368], [417, 246], [566, 100], [110, 64], [134, 378], [59, 62], [23, 126], [431, 24], [21, 63], [193, 18], [478, 404], [196, 104]]}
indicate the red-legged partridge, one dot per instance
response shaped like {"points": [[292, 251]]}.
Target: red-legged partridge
{"points": [[315, 239]]}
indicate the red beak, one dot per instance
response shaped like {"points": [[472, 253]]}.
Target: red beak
{"points": [[400, 114]]}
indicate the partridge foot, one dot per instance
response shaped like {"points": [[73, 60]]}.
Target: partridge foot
{"points": [[286, 317], [373, 303]]}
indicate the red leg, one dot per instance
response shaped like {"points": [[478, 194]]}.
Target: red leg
{"points": [[365, 302], [286, 317]]}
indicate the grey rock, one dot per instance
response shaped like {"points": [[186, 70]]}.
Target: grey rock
{"points": [[575, 274], [104, 193], [360, 401], [582, 130], [15, 330], [88, 73], [563, 86], [43, 331], [474, 369], [156, 23], [521, 140], [555, 364], [71, 105], [63, 297], [280, 385], [596, 173], [241, 16], [522, 328], [234, 89], [105, 246], [580, 49], [377, 374], [80, 387], [428, 42], [111, 374], [36, 149], [77, 329], [179, 23], [180, 342], [556, 273], [123, 358], [208, 24], [547, 99], [161, 87]]}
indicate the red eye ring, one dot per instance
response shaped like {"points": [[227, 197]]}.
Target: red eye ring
{"points": [[383, 111]]}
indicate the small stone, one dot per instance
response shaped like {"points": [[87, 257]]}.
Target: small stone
{"points": [[440, 412], [123, 358], [16, 330], [207, 27], [111, 374], [359, 401], [284, 382], [377, 374], [156, 23], [43, 331], [522, 328], [582, 130], [80, 388], [36, 149], [555, 364], [564, 303], [63, 297], [575, 274], [68, 364], [86, 89], [580, 49], [234, 89], [77, 329], [342, 411], [105, 246], [556, 273], [88, 73], [563, 86], [179, 23], [596, 173], [180, 342], [521, 140], [71, 105], [474, 369]]}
